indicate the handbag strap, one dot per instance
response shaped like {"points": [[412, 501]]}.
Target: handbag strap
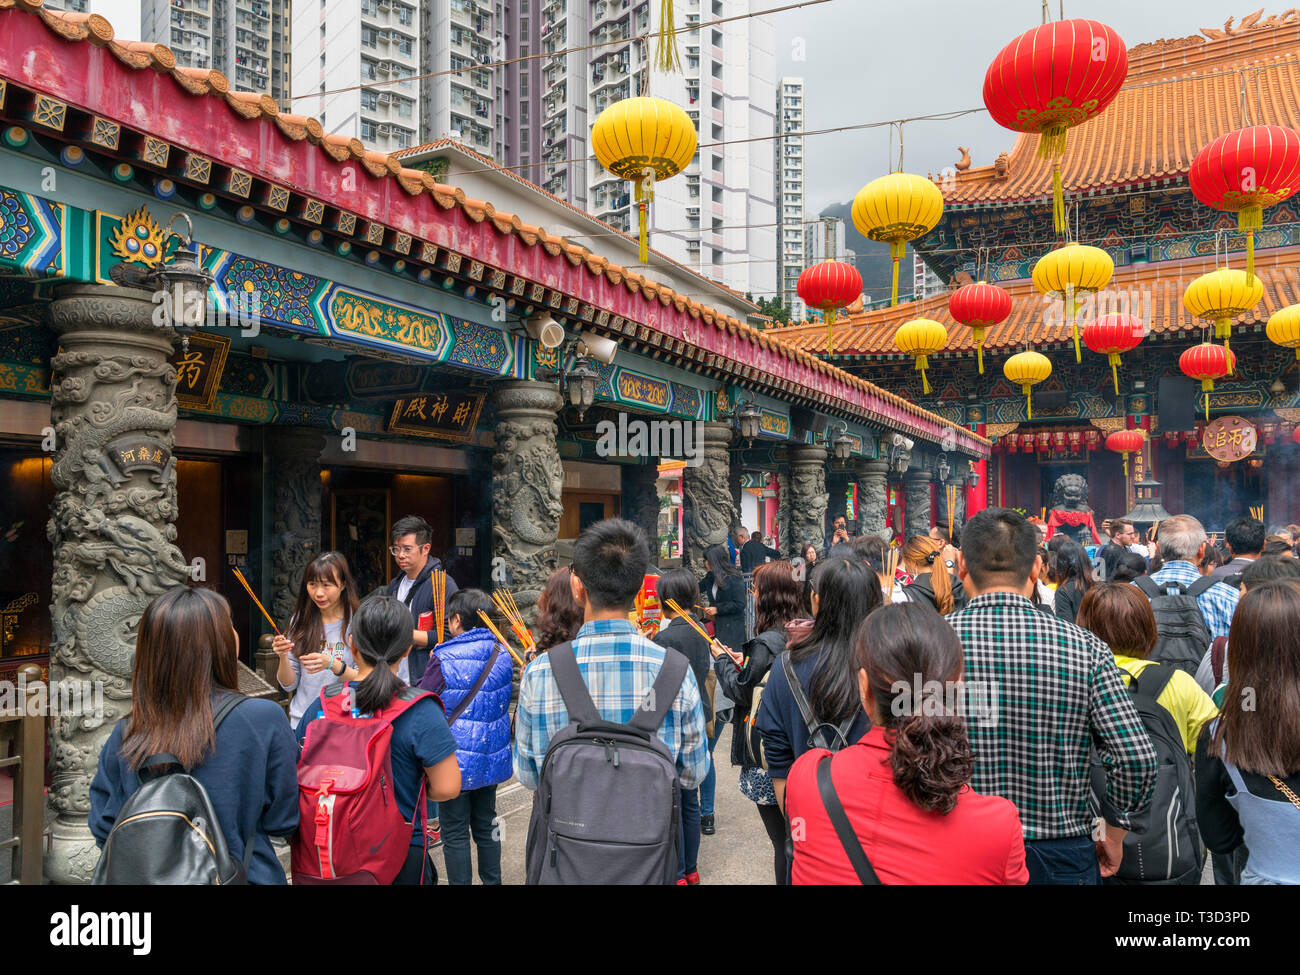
{"points": [[1283, 788], [459, 709], [843, 828]]}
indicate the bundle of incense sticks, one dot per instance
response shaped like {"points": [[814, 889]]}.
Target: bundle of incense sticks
{"points": [[952, 507], [251, 595], [672, 604], [891, 572], [1257, 513], [505, 602], [1151, 532], [438, 580], [500, 639], [1043, 514]]}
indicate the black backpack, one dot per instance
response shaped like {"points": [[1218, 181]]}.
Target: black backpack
{"points": [[167, 831], [1180, 626], [608, 797], [821, 734], [1164, 846]]}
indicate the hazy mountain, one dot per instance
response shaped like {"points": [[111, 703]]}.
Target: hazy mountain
{"points": [[873, 261]]}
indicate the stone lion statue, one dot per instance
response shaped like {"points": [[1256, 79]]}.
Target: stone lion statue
{"points": [[1070, 511]]}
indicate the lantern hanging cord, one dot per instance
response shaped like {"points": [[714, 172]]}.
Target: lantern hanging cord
{"points": [[555, 54]]}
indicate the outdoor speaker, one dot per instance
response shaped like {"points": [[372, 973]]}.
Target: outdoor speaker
{"points": [[546, 331], [806, 419], [1051, 399], [599, 348], [1178, 400]]}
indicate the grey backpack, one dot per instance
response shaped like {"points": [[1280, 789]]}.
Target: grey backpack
{"points": [[608, 798], [1180, 626]]}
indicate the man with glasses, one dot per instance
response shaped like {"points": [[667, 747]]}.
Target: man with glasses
{"points": [[1123, 538], [410, 548]]}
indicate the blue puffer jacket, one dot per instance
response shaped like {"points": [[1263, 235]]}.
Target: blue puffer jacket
{"points": [[483, 731]]}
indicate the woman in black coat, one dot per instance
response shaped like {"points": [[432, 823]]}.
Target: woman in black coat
{"points": [[776, 603], [724, 586], [1071, 572]]}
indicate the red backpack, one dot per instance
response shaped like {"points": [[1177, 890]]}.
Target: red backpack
{"points": [[350, 829]]}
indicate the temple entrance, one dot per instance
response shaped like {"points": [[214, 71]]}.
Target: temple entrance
{"points": [[1215, 495]]}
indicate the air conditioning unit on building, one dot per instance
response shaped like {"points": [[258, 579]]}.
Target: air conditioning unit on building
{"points": [[387, 97], [385, 130]]}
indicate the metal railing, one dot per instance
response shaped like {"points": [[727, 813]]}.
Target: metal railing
{"points": [[24, 736]]}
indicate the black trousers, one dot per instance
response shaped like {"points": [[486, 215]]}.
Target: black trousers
{"points": [[418, 870], [774, 823]]}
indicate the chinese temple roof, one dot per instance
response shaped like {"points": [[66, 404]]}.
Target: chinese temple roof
{"points": [[872, 333], [151, 105], [1180, 94]]}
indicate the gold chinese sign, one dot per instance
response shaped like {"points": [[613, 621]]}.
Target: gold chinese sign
{"points": [[198, 370], [136, 453], [1229, 438], [446, 416]]}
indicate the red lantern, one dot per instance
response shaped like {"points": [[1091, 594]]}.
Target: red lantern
{"points": [[1092, 439], [828, 286], [1125, 442], [979, 306], [1013, 443], [1076, 439], [1295, 434], [1111, 335], [1045, 440], [1051, 78], [1171, 438], [1058, 440], [1245, 171], [1207, 362]]}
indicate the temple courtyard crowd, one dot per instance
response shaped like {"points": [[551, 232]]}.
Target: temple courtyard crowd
{"points": [[993, 706]]}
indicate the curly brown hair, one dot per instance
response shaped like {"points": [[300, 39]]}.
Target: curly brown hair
{"points": [[907, 645], [559, 617]]}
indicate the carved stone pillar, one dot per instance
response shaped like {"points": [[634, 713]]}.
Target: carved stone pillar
{"points": [[808, 495], [641, 502], [710, 509], [292, 468], [917, 485], [873, 497], [113, 408], [527, 483], [957, 481], [736, 483]]}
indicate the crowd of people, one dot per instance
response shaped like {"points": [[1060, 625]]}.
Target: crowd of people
{"points": [[986, 706]]}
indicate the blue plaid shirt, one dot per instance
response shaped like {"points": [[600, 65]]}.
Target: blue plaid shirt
{"points": [[1217, 603], [619, 666]]}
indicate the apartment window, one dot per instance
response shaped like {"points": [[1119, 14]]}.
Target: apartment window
{"points": [[717, 194], [368, 132], [370, 7], [405, 15], [405, 46], [717, 38], [322, 32], [717, 132], [523, 141], [523, 83], [523, 112], [369, 37], [370, 100], [367, 68], [404, 108]]}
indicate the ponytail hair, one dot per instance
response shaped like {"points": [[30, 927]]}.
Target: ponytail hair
{"points": [[381, 634], [923, 554], [901, 646]]}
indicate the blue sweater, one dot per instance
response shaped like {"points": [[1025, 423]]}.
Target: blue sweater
{"points": [[251, 778], [785, 736], [482, 732]]}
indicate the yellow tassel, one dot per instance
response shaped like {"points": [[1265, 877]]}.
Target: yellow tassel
{"points": [[1250, 258], [1126, 467], [1114, 370], [1078, 356], [896, 252], [925, 383], [830, 334], [644, 238], [1058, 200], [1226, 350], [979, 349], [1029, 401], [666, 57]]}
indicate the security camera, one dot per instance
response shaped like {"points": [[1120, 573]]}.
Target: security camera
{"points": [[901, 441], [545, 330], [599, 348]]}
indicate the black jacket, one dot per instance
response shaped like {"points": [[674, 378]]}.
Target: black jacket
{"points": [[420, 600], [680, 636], [729, 624], [921, 590], [739, 685], [754, 553], [1069, 597]]}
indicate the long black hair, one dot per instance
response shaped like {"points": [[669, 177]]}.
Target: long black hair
{"points": [[719, 563], [1068, 561], [847, 592], [381, 633]]}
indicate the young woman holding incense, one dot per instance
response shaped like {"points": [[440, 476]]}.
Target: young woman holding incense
{"points": [[315, 653]]}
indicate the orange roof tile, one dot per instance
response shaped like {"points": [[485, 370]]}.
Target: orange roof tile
{"points": [[96, 30], [1180, 95], [1154, 293]]}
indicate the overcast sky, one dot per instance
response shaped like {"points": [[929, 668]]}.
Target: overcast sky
{"points": [[869, 61]]}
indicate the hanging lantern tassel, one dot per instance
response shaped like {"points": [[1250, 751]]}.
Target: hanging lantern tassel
{"points": [[1114, 370], [1058, 198], [666, 57], [1126, 465], [922, 364], [1207, 386], [1249, 219], [645, 193], [896, 250], [1029, 400], [979, 347], [830, 332], [1072, 309]]}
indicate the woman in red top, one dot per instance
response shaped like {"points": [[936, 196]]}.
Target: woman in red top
{"points": [[903, 785]]}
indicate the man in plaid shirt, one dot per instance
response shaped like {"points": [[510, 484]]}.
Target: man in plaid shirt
{"points": [[617, 663], [1056, 691], [1182, 546]]}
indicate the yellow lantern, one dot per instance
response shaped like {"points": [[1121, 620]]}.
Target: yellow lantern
{"points": [[1284, 328], [895, 209], [644, 140], [1071, 273], [921, 337], [1221, 296], [1027, 370]]}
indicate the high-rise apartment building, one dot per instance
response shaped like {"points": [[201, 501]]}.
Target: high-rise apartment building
{"points": [[924, 281], [245, 40], [459, 98], [361, 58], [791, 249]]}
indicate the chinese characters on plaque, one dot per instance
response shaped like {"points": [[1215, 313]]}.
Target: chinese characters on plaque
{"points": [[1229, 438], [447, 415], [198, 370]]}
